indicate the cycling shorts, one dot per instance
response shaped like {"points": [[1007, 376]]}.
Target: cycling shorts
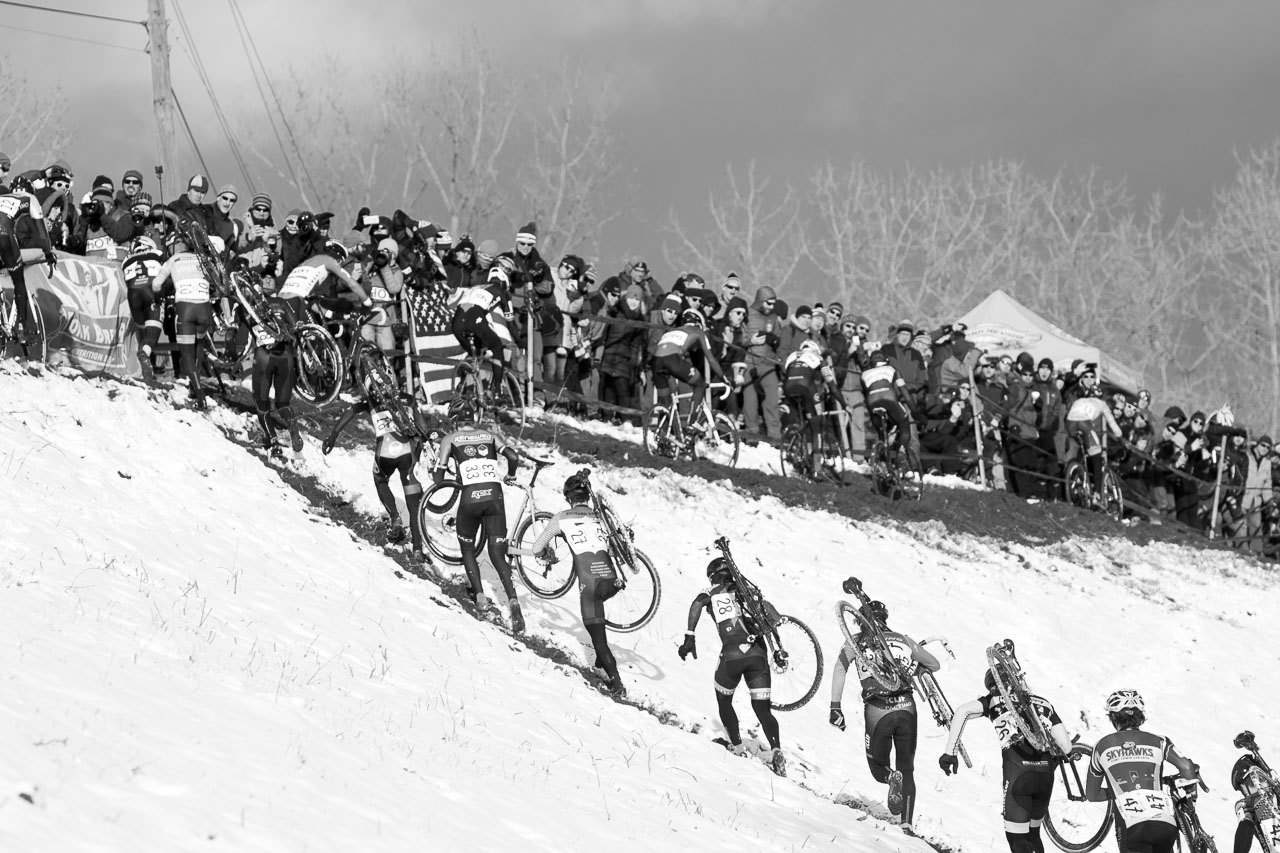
{"points": [[804, 398], [677, 366], [491, 514], [10, 251], [1149, 836], [896, 413], [1028, 784], [753, 666], [891, 723], [593, 594], [1088, 433]]}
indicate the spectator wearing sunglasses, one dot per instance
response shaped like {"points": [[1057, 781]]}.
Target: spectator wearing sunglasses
{"points": [[130, 186], [259, 241], [730, 288], [762, 393], [217, 216], [190, 208]]}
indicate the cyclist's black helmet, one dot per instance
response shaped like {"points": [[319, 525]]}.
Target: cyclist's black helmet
{"points": [[878, 357], [876, 612], [718, 571], [337, 251], [21, 183], [693, 317], [577, 489]]}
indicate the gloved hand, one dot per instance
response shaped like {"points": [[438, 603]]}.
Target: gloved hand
{"points": [[688, 647], [949, 763], [509, 480], [327, 447], [52, 260], [837, 717]]}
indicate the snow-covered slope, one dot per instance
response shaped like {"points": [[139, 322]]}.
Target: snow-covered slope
{"points": [[193, 659]]}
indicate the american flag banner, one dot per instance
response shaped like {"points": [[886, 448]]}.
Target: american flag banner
{"points": [[431, 317]]}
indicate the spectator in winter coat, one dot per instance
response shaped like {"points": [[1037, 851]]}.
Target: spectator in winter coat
{"points": [[130, 186], [763, 387], [910, 365], [298, 243], [729, 345], [636, 271], [103, 230], [1026, 460], [960, 358], [259, 241], [664, 317], [947, 422], [730, 288], [1049, 416], [190, 208], [460, 265], [794, 332], [622, 353], [818, 327], [217, 216], [1258, 490]]}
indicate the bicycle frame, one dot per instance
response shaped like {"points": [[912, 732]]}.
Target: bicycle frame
{"points": [[677, 425]]}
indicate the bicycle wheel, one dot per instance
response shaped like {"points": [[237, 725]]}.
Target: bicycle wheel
{"points": [[1191, 835], [438, 520], [880, 667], [719, 444], [1078, 826], [1112, 494], [795, 453], [884, 477], [509, 400], [635, 605], [1077, 485], [910, 475], [319, 362], [657, 432], [545, 580], [795, 663]]}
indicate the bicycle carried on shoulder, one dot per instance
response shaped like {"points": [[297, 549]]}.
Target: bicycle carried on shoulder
{"points": [[1265, 804], [704, 433], [795, 657], [640, 588]]}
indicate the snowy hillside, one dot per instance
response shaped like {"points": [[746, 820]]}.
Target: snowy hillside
{"points": [[194, 659]]}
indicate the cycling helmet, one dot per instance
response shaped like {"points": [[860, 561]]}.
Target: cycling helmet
{"points": [[989, 682], [876, 612], [811, 346], [498, 274], [878, 358], [21, 183], [143, 244], [718, 571], [1126, 709], [577, 489], [337, 251], [217, 243], [506, 264], [693, 317]]}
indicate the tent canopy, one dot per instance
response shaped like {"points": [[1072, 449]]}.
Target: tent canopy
{"points": [[1002, 325]]}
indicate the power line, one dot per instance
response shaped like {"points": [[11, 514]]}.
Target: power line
{"points": [[302, 163], [193, 53], [195, 146], [72, 38], [71, 12]]}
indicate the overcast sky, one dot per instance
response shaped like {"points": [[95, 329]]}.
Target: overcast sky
{"points": [[1158, 92]]}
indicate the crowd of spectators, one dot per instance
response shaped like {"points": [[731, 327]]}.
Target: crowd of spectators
{"points": [[593, 338]]}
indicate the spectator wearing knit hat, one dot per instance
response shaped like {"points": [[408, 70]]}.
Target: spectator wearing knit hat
{"points": [[729, 346], [531, 274], [762, 393], [636, 271], [910, 365], [217, 216], [190, 208], [794, 331], [102, 230], [259, 240], [1050, 415], [130, 186]]}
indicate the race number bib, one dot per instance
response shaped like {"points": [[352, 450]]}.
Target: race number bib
{"points": [[480, 297], [263, 337], [583, 534], [378, 293], [475, 471], [9, 206], [1144, 805], [674, 338], [724, 607], [191, 290], [382, 423], [1006, 730]]}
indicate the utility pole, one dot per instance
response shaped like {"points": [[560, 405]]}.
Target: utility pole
{"points": [[161, 95]]}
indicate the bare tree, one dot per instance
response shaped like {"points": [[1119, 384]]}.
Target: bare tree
{"points": [[755, 232], [31, 125], [568, 184]]}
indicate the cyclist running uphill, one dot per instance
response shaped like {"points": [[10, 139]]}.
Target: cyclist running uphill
{"points": [[475, 451], [140, 269], [183, 278], [889, 712], [1088, 421], [742, 655], [393, 452], [887, 397], [1028, 772], [1256, 808], [678, 354], [1130, 762], [474, 318], [275, 371], [308, 277], [18, 203], [583, 532], [807, 377]]}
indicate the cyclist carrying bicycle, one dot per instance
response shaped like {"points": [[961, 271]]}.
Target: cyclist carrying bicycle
{"points": [[742, 655], [678, 353], [1027, 771], [887, 397], [1088, 421], [475, 451], [807, 379], [598, 581], [309, 276], [473, 318], [275, 372], [889, 715], [1130, 761], [183, 277], [140, 269], [19, 202], [1256, 808]]}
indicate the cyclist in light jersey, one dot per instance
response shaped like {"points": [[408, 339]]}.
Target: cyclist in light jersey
{"points": [[582, 531], [474, 314], [20, 201], [807, 376], [309, 275], [183, 278], [1130, 762], [1255, 810], [1088, 421], [887, 395], [475, 451]]}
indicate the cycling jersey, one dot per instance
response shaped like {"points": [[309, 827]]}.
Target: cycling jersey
{"points": [[302, 281], [882, 384], [186, 274], [1131, 761], [140, 268], [476, 452], [738, 636], [13, 206], [485, 298], [1002, 717], [585, 536], [802, 366], [677, 341]]}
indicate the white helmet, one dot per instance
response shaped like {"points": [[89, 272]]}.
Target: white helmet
{"points": [[811, 346], [218, 245]]}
